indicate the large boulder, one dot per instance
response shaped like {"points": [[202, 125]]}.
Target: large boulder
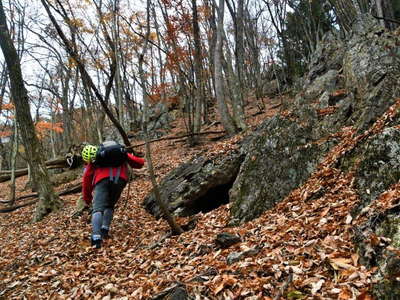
{"points": [[371, 72], [198, 185], [280, 157]]}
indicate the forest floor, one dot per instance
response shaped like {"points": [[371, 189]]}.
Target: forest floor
{"points": [[303, 249]]}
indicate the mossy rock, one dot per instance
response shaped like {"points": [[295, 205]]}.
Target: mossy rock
{"points": [[189, 186], [387, 290], [376, 163], [280, 157], [66, 176], [390, 228]]}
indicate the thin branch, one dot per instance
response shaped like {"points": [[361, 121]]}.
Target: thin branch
{"points": [[178, 137], [387, 19], [285, 285]]}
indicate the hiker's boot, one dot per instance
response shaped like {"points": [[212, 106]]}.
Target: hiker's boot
{"points": [[104, 233], [96, 243]]}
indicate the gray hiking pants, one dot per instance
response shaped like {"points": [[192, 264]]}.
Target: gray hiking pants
{"points": [[106, 195]]}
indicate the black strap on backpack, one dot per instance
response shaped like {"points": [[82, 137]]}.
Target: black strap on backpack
{"points": [[115, 179]]}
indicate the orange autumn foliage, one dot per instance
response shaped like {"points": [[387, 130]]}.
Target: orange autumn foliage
{"points": [[8, 106], [43, 128]]}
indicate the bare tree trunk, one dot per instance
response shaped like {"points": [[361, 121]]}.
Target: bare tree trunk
{"points": [[176, 229], [13, 160], [226, 118], [48, 200], [238, 100], [212, 39], [379, 11], [199, 78], [385, 12], [118, 82], [66, 116]]}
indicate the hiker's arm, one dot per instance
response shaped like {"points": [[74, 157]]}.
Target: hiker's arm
{"points": [[87, 184], [135, 162]]}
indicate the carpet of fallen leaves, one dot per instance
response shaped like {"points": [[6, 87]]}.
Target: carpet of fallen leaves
{"points": [[303, 247]]}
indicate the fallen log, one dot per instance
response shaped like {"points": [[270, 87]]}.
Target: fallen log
{"points": [[57, 163], [20, 198], [10, 209], [72, 190]]}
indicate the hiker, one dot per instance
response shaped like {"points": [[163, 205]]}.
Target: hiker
{"points": [[104, 178]]}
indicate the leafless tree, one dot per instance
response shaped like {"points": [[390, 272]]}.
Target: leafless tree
{"points": [[48, 200], [176, 229]]}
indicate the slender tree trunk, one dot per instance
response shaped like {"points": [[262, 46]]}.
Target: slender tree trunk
{"points": [[384, 10], [48, 200], [238, 101], [379, 11], [52, 136], [199, 80], [212, 39], [118, 82], [176, 229], [161, 66], [93, 132], [67, 120], [13, 161], [232, 85], [226, 118]]}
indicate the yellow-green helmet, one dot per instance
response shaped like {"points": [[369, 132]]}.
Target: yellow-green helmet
{"points": [[89, 153]]}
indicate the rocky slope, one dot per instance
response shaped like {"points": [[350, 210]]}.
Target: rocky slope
{"points": [[352, 87]]}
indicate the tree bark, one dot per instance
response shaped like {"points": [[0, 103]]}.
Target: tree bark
{"points": [[384, 10], [238, 101], [48, 200], [226, 118], [13, 161], [199, 92]]}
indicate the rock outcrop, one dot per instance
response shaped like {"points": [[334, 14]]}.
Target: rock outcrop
{"points": [[280, 157], [349, 84], [199, 185]]}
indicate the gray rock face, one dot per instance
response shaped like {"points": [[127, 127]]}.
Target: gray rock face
{"points": [[279, 159], [324, 83], [328, 56], [371, 71], [377, 164]]}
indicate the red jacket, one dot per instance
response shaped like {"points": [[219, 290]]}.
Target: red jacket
{"points": [[93, 175]]}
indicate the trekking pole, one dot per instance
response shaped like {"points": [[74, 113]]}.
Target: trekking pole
{"points": [[129, 189]]}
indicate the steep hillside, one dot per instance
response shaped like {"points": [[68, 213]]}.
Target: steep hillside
{"points": [[315, 203], [301, 248]]}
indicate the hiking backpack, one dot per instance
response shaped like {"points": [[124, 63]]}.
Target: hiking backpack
{"points": [[111, 154]]}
